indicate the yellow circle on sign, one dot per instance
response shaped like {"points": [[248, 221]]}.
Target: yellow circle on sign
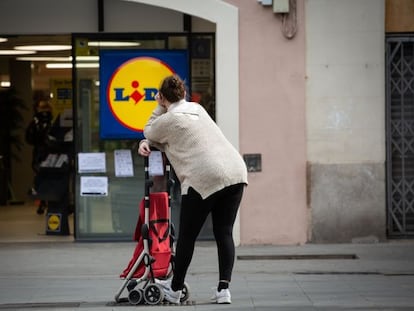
{"points": [[132, 88], [53, 222]]}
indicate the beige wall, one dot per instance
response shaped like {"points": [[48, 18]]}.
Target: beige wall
{"points": [[272, 123], [346, 81], [345, 98]]}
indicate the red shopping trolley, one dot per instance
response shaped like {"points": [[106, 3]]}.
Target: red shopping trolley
{"points": [[153, 257]]}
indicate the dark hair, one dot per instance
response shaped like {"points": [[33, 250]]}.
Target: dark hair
{"points": [[173, 88]]}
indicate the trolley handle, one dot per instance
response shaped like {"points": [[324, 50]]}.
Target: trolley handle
{"points": [[149, 182]]}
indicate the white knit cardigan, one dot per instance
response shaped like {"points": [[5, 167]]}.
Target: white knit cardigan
{"points": [[200, 154]]}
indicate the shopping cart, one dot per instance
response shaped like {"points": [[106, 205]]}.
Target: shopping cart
{"points": [[153, 257]]}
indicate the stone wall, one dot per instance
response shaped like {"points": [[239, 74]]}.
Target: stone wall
{"points": [[348, 202]]}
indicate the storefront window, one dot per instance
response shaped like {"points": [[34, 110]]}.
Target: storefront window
{"points": [[113, 216]]}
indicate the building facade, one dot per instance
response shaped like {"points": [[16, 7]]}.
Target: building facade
{"points": [[303, 92]]}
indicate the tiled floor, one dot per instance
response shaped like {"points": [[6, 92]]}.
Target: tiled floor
{"points": [[21, 223]]}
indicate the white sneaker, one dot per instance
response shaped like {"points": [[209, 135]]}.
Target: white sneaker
{"points": [[169, 294], [222, 296]]}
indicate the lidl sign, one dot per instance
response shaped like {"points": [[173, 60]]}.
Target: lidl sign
{"points": [[129, 81]]}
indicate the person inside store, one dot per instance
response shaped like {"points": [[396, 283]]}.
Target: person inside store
{"points": [[37, 135], [212, 175]]}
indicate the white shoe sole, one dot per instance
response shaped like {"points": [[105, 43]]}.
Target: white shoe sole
{"points": [[224, 300]]}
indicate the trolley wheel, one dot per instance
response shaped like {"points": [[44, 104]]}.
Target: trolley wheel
{"points": [[185, 294], [153, 294], [135, 296]]}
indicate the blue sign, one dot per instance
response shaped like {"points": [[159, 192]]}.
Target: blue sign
{"points": [[129, 80]]}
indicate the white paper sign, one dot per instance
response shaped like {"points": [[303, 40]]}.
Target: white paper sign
{"points": [[93, 162], [123, 163], [94, 186], [155, 164]]}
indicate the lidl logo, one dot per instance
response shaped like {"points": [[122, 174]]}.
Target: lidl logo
{"points": [[53, 222], [129, 80], [132, 88]]}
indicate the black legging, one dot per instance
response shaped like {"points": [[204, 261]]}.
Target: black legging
{"points": [[223, 206]]}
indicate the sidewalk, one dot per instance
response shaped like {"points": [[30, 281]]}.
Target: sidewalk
{"points": [[84, 276]]}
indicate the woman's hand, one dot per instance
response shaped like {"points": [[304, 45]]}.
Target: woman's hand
{"points": [[161, 100], [144, 148]]}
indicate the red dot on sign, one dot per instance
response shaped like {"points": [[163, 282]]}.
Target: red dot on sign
{"points": [[135, 84]]}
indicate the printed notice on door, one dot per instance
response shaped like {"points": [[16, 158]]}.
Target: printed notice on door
{"points": [[94, 186], [92, 162], [155, 164], [123, 163]]}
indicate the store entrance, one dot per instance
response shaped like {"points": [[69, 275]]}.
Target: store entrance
{"points": [[26, 78], [112, 214], [72, 86]]}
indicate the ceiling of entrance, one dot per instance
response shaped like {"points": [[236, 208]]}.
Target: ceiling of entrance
{"points": [[40, 74], [13, 41]]}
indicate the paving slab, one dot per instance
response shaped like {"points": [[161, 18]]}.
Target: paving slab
{"points": [[85, 276]]}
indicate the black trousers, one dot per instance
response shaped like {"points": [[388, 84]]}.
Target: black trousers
{"points": [[223, 206]]}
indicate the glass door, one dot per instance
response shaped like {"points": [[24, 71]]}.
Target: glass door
{"points": [[113, 215]]}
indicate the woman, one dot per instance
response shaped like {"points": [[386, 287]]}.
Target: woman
{"points": [[212, 175], [37, 135]]}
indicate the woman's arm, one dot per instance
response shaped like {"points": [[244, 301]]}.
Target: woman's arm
{"points": [[150, 133], [155, 131]]}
